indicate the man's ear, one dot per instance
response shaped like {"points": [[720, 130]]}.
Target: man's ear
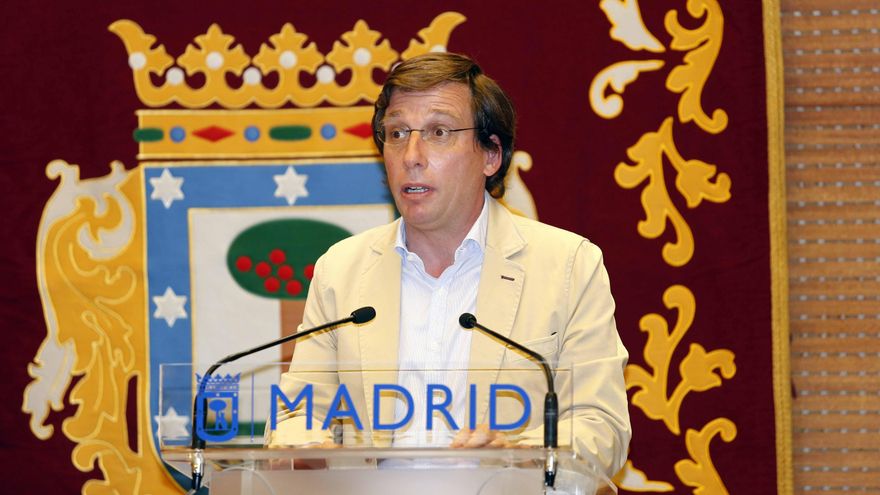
{"points": [[493, 157]]}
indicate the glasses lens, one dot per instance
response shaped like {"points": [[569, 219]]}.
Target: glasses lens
{"points": [[437, 134], [394, 135]]}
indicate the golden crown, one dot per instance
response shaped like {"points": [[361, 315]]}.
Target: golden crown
{"points": [[256, 120], [289, 53]]}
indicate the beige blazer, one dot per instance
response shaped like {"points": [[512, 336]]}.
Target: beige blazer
{"points": [[541, 286]]}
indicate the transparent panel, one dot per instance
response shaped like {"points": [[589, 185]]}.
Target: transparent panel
{"points": [[359, 471], [381, 429], [352, 407]]}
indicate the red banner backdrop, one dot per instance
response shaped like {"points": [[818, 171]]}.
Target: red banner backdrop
{"points": [[643, 127]]}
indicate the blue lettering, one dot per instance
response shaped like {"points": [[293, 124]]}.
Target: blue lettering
{"points": [[335, 411], [443, 407], [472, 402], [493, 396], [342, 406], [276, 394], [407, 397]]}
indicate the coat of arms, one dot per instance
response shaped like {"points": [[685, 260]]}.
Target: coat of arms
{"points": [[207, 246]]}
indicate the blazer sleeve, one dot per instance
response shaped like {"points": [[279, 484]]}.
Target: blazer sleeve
{"points": [[591, 347], [594, 415]]}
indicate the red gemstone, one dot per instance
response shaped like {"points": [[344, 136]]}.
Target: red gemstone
{"points": [[272, 284], [309, 271], [285, 272], [263, 269], [213, 133], [363, 130], [243, 263], [277, 256], [294, 287]]}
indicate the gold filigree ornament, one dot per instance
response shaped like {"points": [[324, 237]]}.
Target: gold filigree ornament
{"points": [[435, 37], [702, 45], [688, 80], [695, 180], [699, 471], [628, 27], [90, 254], [616, 77], [517, 197], [699, 370]]}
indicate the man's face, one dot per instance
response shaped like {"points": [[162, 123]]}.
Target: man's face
{"points": [[437, 188]]}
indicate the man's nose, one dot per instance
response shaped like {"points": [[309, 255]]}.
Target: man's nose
{"points": [[414, 150]]}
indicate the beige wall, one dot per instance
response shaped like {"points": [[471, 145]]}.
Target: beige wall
{"points": [[831, 52]]}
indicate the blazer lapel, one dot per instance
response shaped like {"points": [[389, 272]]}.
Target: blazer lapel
{"points": [[498, 298], [379, 343]]}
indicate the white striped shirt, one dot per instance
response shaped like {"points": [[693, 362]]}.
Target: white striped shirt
{"points": [[431, 340]]}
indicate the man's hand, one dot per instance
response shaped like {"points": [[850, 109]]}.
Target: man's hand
{"points": [[482, 436]]}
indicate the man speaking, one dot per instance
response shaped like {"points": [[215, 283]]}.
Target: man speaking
{"points": [[446, 132]]}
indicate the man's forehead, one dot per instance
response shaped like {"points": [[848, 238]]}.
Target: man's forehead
{"points": [[451, 98]]}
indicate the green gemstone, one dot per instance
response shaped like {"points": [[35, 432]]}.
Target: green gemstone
{"points": [[148, 134], [290, 132]]}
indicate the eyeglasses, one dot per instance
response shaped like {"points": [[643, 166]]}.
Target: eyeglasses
{"points": [[435, 134]]}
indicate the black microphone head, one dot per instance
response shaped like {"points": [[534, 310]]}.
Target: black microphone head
{"points": [[467, 320], [363, 315]]}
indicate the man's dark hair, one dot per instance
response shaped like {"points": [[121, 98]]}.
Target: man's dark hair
{"points": [[493, 111]]}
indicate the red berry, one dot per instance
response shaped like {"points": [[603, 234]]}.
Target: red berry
{"points": [[263, 269], [294, 287], [285, 272], [309, 271], [272, 284], [243, 263], [277, 256]]}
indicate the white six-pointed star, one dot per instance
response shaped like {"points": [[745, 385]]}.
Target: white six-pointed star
{"points": [[169, 306], [166, 188], [291, 186], [172, 425]]}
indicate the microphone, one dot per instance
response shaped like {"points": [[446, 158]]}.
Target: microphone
{"points": [[197, 461], [551, 404]]}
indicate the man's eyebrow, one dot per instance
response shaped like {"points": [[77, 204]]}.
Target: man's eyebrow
{"points": [[445, 114], [433, 113]]}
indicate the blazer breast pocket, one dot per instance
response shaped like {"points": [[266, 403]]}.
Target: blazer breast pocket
{"points": [[545, 346]]}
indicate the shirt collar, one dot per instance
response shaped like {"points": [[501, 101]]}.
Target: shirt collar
{"points": [[476, 235]]}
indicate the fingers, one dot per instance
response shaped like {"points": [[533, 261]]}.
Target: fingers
{"points": [[478, 438], [482, 436], [461, 437], [500, 441]]}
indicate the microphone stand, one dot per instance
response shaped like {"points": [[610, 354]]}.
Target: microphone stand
{"points": [[551, 403], [197, 458]]}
